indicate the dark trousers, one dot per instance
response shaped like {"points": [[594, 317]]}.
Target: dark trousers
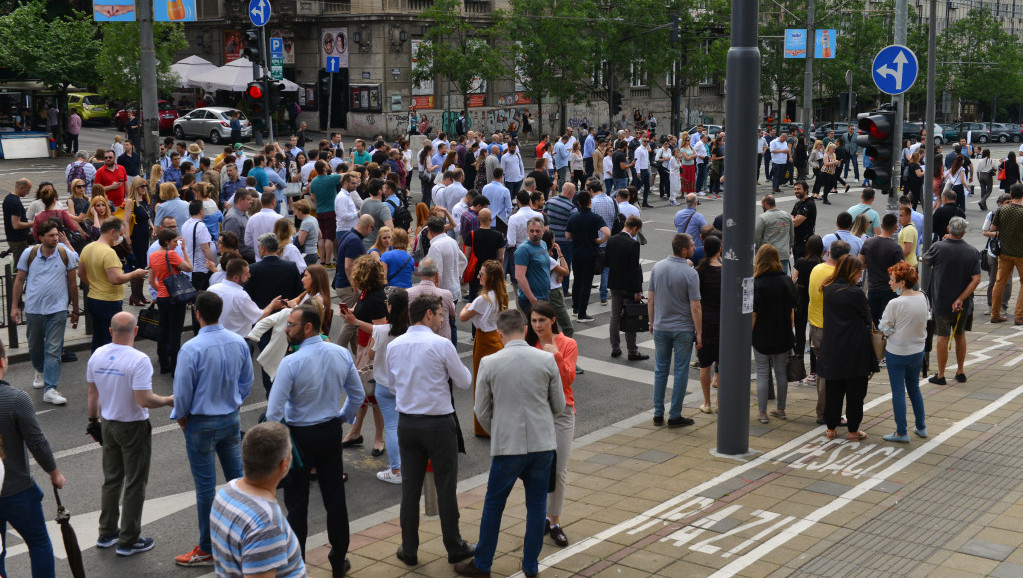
{"points": [[320, 448], [426, 180], [172, 319], [768, 167], [201, 282], [802, 310], [663, 184], [584, 270], [644, 181], [850, 389], [267, 382], [102, 312], [127, 447], [760, 157], [878, 300], [618, 300], [525, 307], [588, 166], [422, 439], [72, 142], [777, 177], [513, 188], [566, 251]]}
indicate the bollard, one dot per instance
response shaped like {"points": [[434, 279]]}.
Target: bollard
{"points": [[430, 491]]}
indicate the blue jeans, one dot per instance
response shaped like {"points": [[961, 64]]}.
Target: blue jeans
{"points": [[535, 471], [206, 437], [619, 184], [904, 375], [566, 251], [609, 186], [388, 407], [24, 512], [603, 284], [102, 312], [666, 344], [45, 344], [777, 176], [854, 161], [701, 176], [644, 181]]}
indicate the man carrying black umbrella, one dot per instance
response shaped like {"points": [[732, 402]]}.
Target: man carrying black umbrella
{"points": [[21, 499]]}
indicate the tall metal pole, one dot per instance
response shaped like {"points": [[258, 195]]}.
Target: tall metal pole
{"points": [[330, 101], [266, 84], [901, 16], [676, 100], [932, 60], [811, 51], [611, 95], [849, 81], [150, 110], [741, 104]]}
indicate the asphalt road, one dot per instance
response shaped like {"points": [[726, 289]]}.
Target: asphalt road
{"points": [[605, 394]]}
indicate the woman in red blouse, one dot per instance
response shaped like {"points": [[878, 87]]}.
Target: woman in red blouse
{"points": [[163, 263], [543, 333]]}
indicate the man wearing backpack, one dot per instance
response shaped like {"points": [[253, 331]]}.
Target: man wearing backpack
{"points": [[400, 215], [80, 169], [49, 270]]}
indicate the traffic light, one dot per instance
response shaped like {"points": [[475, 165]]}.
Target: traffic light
{"points": [[325, 84], [255, 91], [616, 102], [676, 30], [877, 143], [276, 93], [252, 51]]}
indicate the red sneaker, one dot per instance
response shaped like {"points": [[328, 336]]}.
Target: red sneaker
{"points": [[194, 558]]}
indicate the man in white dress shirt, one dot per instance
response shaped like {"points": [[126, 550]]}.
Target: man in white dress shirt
{"points": [[624, 206], [240, 312], [451, 262], [261, 222], [347, 203], [452, 193], [514, 169], [420, 365], [197, 244]]}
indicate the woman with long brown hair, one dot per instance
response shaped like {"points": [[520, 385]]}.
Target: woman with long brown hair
{"points": [[369, 279], [138, 217], [846, 353], [483, 311]]}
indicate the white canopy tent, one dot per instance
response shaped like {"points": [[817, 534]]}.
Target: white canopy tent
{"points": [[234, 76], [191, 67]]}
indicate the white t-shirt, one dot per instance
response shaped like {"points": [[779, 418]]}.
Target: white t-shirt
{"points": [[486, 312], [550, 161], [118, 371], [381, 337], [555, 278], [779, 152], [905, 323]]}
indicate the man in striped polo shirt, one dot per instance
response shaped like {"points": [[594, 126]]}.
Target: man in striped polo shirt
{"points": [[249, 532], [559, 208]]}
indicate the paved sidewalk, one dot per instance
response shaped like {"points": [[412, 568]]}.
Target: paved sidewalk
{"points": [[649, 501]]}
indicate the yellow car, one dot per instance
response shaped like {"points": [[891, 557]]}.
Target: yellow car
{"points": [[90, 106]]}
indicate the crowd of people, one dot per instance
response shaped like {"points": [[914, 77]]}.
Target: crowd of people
{"points": [[259, 251]]}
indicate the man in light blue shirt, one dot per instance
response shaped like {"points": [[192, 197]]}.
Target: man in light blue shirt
{"points": [[562, 155], [589, 145], [438, 159], [308, 402], [212, 378], [499, 196], [514, 170], [48, 271], [843, 223]]}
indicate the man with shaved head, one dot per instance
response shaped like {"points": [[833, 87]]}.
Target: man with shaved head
{"points": [[120, 380]]}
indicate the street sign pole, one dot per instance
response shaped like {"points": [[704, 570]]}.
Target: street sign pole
{"points": [[266, 86], [330, 102], [925, 269], [743, 92], [150, 111], [899, 100], [811, 52]]}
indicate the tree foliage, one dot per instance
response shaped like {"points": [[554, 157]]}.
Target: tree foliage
{"points": [[118, 65], [972, 53], [456, 49], [59, 51]]}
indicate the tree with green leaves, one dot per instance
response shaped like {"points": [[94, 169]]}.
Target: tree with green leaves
{"points": [[118, 66], [457, 48]]}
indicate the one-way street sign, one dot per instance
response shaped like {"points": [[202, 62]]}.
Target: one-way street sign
{"points": [[895, 69]]}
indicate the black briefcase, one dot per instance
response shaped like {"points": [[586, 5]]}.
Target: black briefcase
{"points": [[635, 318]]}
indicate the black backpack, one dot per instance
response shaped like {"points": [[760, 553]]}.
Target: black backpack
{"points": [[402, 218], [618, 225]]}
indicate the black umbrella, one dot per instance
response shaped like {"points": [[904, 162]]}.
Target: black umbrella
{"points": [[71, 547]]}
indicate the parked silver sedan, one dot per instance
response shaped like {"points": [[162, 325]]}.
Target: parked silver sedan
{"points": [[213, 123]]}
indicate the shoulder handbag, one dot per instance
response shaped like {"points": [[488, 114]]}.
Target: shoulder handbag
{"points": [[293, 189], [878, 341], [1001, 171], [795, 368], [470, 267], [179, 286]]}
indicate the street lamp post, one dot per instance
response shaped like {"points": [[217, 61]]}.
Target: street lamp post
{"points": [[741, 109]]}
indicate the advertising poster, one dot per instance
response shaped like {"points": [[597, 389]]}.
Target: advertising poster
{"points": [[795, 43], [174, 10], [234, 43], [113, 10], [826, 40], [289, 44], [334, 42], [424, 88]]}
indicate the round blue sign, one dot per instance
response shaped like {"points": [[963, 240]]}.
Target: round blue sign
{"points": [[895, 69], [259, 12]]}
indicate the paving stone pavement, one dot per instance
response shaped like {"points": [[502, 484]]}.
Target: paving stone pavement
{"points": [[648, 501]]}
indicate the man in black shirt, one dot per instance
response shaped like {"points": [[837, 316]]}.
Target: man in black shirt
{"points": [[130, 160], [541, 178], [16, 223], [587, 232], [487, 244], [943, 214], [804, 219], [620, 165], [879, 253]]}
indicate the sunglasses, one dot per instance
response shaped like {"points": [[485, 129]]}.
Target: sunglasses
{"points": [[79, 186]]}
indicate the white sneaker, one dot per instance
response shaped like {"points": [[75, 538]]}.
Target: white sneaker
{"points": [[389, 476], [37, 383], [53, 396]]}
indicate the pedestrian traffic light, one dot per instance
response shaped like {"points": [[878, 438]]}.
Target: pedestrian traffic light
{"points": [[252, 51], [616, 102], [276, 93], [254, 91], [878, 144]]}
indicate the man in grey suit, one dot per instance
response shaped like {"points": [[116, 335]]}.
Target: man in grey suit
{"points": [[518, 393]]}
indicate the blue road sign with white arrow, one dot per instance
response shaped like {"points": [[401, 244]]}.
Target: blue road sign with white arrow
{"points": [[333, 64], [895, 69], [259, 12]]}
